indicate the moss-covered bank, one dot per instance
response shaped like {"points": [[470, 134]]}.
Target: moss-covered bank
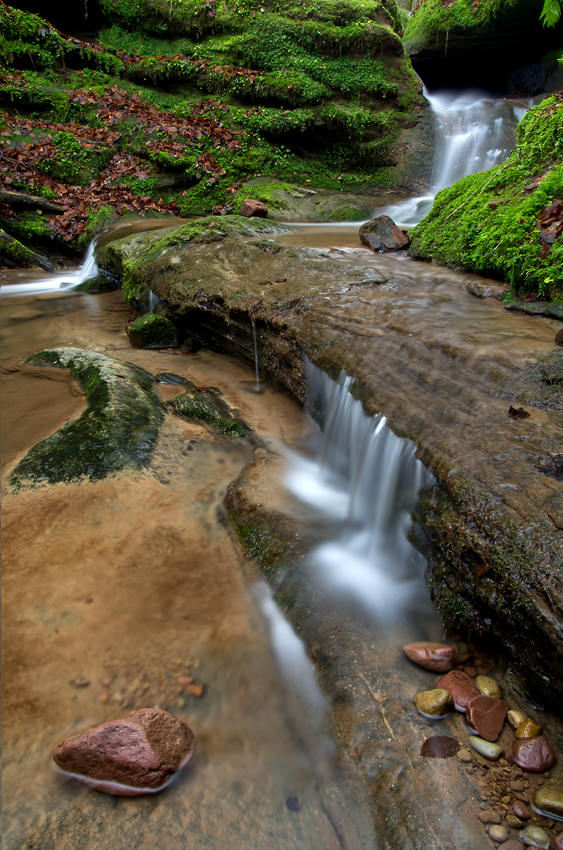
{"points": [[490, 222], [116, 432]]}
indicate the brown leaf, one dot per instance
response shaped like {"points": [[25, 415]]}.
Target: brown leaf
{"points": [[440, 747], [518, 413]]}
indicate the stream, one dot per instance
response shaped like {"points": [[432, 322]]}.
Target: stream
{"points": [[132, 592]]}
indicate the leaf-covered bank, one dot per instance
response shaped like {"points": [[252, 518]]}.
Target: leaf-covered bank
{"points": [[501, 222]]}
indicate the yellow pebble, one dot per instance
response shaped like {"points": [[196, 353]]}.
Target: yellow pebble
{"points": [[528, 729], [488, 687], [516, 718]]}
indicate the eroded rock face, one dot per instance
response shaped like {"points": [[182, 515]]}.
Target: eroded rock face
{"points": [[137, 754]]}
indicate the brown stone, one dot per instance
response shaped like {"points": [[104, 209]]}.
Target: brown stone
{"points": [[533, 754], [461, 688], [486, 716], [382, 234], [515, 718], [498, 833], [557, 842], [435, 703], [488, 687], [488, 816], [137, 754], [511, 844], [559, 337], [514, 822], [437, 657], [251, 208], [549, 799], [528, 729], [521, 810]]}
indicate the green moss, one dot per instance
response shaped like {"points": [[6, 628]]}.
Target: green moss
{"points": [[152, 331], [432, 17], [29, 226], [13, 253], [95, 285], [206, 405], [463, 231], [123, 416], [347, 212], [76, 162]]}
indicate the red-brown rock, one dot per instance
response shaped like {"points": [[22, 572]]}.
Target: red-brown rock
{"points": [[557, 842], [137, 754], [382, 234], [511, 844], [432, 656], [533, 754], [559, 337], [253, 208], [486, 716], [460, 687]]}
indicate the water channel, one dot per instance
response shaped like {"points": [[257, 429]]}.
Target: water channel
{"points": [[117, 593]]}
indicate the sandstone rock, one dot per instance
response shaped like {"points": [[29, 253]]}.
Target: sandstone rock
{"points": [[498, 833], [435, 703], [557, 842], [528, 729], [251, 208], [488, 687], [486, 716], [516, 718], [437, 657], [549, 799], [535, 835], [559, 337], [465, 755], [485, 748], [488, 816], [382, 234], [137, 754], [533, 754], [461, 688], [514, 822]]}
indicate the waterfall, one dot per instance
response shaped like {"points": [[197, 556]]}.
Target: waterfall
{"points": [[63, 280], [474, 132], [367, 480]]}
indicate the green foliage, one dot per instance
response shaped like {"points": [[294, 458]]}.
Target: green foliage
{"points": [[433, 16], [29, 226], [551, 12], [463, 231], [76, 162]]}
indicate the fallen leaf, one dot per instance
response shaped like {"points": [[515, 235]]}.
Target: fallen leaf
{"points": [[440, 747]]}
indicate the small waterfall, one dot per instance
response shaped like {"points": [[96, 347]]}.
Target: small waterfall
{"points": [[473, 133], [367, 480], [63, 280]]}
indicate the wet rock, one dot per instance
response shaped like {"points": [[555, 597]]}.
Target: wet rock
{"points": [[488, 687], [435, 703], [511, 844], [137, 754], [252, 208], [559, 337], [514, 822], [465, 755], [533, 754], [498, 833], [204, 404], [549, 799], [557, 843], [516, 718], [97, 284], [123, 416], [535, 835], [439, 747], [437, 657], [528, 729], [293, 804], [152, 331], [488, 816], [461, 688], [485, 748], [382, 234], [521, 810], [486, 716]]}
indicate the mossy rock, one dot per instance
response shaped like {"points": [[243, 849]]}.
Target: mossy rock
{"points": [[152, 331], [117, 432], [204, 404], [77, 162], [96, 285], [488, 222], [347, 212]]}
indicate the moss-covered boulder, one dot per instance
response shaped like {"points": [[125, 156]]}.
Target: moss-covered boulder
{"points": [[152, 331], [117, 432], [204, 404], [96, 285], [493, 222], [15, 255], [499, 45], [76, 162]]}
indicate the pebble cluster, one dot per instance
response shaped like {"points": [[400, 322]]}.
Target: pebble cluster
{"points": [[521, 801]]}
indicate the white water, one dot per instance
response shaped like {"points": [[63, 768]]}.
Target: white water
{"points": [[65, 280], [367, 480], [473, 133]]}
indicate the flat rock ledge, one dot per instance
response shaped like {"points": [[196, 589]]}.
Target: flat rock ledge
{"points": [[136, 754], [492, 526]]}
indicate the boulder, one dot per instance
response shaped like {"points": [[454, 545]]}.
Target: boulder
{"points": [[151, 331], [137, 754], [251, 208], [382, 234]]}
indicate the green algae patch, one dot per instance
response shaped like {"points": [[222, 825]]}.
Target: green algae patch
{"points": [[117, 432], [204, 404], [152, 331], [489, 222]]}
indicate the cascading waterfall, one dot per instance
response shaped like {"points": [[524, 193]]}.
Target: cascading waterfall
{"points": [[64, 280], [368, 480], [473, 133]]}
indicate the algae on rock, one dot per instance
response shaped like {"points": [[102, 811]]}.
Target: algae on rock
{"points": [[116, 432]]}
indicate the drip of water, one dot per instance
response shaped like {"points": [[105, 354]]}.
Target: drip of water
{"points": [[256, 357], [368, 479], [473, 133], [63, 280]]}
